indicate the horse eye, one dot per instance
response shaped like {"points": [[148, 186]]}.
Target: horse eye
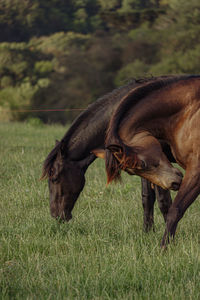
{"points": [[156, 165], [51, 172], [143, 165], [54, 180], [52, 176]]}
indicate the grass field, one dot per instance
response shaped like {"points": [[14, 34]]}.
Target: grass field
{"points": [[102, 253]]}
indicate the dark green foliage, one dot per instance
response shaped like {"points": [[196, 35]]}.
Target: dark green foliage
{"points": [[65, 54], [21, 20]]}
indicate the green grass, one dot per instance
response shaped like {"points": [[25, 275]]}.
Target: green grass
{"points": [[103, 252]]}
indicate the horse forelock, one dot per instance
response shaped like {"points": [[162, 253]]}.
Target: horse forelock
{"points": [[114, 166], [129, 159]]}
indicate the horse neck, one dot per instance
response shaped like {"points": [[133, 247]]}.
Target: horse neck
{"points": [[152, 114], [140, 137], [88, 130]]}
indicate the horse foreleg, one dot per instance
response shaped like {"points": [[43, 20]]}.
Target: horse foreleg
{"points": [[164, 200], [148, 200], [188, 192]]}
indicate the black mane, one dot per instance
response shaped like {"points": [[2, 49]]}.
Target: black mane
{"points": [[94, 107]]}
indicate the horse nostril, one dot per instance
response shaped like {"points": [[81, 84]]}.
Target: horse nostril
{"points": [[179, 173], [175, 186]]}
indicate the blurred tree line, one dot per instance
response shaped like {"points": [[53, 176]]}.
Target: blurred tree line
{"points": [[65, 54]]}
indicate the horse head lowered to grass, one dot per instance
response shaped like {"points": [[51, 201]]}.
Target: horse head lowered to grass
{"points": [[166, 109], [143, 156], [66, 164]]}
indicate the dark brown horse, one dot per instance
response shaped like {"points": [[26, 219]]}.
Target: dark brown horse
{"points": [[167, 109], [67, 163]]}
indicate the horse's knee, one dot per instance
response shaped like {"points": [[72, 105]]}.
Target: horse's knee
{"points": [[173, 217]]}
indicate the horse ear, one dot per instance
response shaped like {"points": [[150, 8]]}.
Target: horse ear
{"points": [[61, 149], [59, 156], [99, 153], [116, 150]]}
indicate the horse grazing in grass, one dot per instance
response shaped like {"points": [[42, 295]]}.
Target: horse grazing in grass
{"points": [[167, 109], [66, 164]]}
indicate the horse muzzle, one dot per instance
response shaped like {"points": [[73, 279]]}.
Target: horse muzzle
{"points": [[175, 185]]}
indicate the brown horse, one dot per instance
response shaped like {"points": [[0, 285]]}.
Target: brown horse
{"points": [[142, 156], [167, 109]]}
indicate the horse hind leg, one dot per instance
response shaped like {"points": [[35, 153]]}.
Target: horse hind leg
{"points": [[148, 200], [164, 200]]}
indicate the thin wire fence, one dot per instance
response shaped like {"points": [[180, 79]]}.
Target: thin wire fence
{"points": [[41, 110]]}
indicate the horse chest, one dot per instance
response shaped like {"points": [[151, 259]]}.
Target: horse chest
{"points": [[186, 139]]}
